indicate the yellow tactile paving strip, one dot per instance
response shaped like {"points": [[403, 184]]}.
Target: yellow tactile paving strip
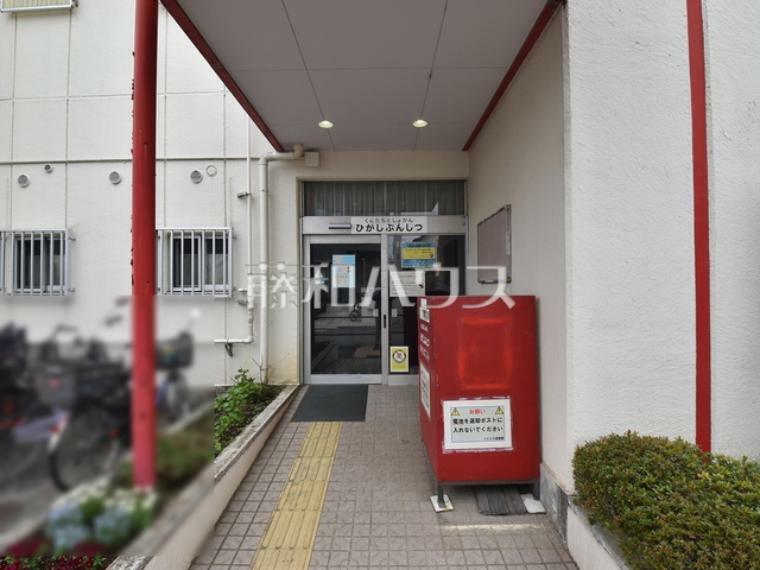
{"points": [[289, 538]]}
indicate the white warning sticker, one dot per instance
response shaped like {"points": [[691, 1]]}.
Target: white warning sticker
{"points": [[425, 388], [477, 424]]}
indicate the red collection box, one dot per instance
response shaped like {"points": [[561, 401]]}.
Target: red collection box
{"points": [[479, 393]]}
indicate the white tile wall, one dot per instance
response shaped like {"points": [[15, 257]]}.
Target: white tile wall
{"points": [[187, 71], [100, 128], [7, 41], [194, 205], [101, 48], [47, 189], [42, 55], [6, 141], [236, 121], [39, 130], [98, 216], [5, 191], [194, 125], [197, 122]]}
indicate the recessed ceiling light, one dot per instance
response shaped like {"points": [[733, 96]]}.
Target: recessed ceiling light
{"points": [[325, 124], [420, 123]]}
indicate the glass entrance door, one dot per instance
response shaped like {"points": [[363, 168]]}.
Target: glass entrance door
{"points": [[417, 265], [360, 321], [344, 341]]}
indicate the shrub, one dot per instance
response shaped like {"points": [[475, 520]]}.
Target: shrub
{"points": [[181, 456], [235, 409], [672, 506]]}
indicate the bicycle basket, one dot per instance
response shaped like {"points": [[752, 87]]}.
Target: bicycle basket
{"points": [[175, 353]]}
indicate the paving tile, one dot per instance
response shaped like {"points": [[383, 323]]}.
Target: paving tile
{"points": [[472, 557], [250, 542], [549, 555], [376, 511], [225, 557], [530, 555], [244, 557], [358, 558], [511, 556], [338, 558], [398, 558]]}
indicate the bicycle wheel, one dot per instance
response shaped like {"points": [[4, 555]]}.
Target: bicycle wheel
{"points": [[88, 447], [175, 403], [23, 461], [21, 464]]}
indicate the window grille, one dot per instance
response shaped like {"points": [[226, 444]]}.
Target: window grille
{"points": [[194, 261], [35, 5], [39, 262]]}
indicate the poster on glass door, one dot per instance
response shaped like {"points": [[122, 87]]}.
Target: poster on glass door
{"points": [[419, 254], [343, 273]]}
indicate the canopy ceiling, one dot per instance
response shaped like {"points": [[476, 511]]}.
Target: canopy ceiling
{"points": [[371, 67]]}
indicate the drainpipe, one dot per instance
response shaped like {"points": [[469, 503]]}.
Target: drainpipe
{"points": [[249, 290], [264, 251]]}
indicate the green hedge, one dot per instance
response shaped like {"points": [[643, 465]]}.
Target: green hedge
{"points": [[671, 506], [235, 409]]}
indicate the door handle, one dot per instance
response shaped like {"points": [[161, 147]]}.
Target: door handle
{"points": [[385, 321]]}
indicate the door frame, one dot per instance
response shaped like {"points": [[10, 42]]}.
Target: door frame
{"points": [[323, 379]]}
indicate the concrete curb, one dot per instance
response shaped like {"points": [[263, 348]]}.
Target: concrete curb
{"points": [[592, 547], [181, 530]]}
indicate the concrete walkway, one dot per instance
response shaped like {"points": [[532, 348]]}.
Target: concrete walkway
{"points": [[356, 495]]}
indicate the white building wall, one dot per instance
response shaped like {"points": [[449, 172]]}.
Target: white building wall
{"points": [[732, 46], [630, 253], [518, 160], [65, 99], [68, 102]]}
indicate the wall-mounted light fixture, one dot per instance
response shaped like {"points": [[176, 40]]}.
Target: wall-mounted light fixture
{"points": [[114, 178], [211, 170], [196, 176], [23, 180], [49, 168]]}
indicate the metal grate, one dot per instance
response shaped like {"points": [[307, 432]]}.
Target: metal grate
{"points": [[35, 5], [39, 262], [194, 261]]}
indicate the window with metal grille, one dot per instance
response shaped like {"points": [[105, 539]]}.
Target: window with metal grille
{"points": [[195, 261], [36, 5], [38, 262]]}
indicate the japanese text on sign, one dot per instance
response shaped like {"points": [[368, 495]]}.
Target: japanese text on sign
{"points": [[388, 224], [477, 424]]}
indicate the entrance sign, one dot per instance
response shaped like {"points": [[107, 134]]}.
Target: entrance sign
{"points": [[477, 424], [400, 359], [418, 254], [377, 225], [425, 389], [344, 271]]}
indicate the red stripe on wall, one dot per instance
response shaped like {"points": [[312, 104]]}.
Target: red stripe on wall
{"points": [[532, 38], [181, 17], [701, 221]]}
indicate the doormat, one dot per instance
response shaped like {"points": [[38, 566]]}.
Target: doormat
{"points": [[344, 403], [499, 500]]}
